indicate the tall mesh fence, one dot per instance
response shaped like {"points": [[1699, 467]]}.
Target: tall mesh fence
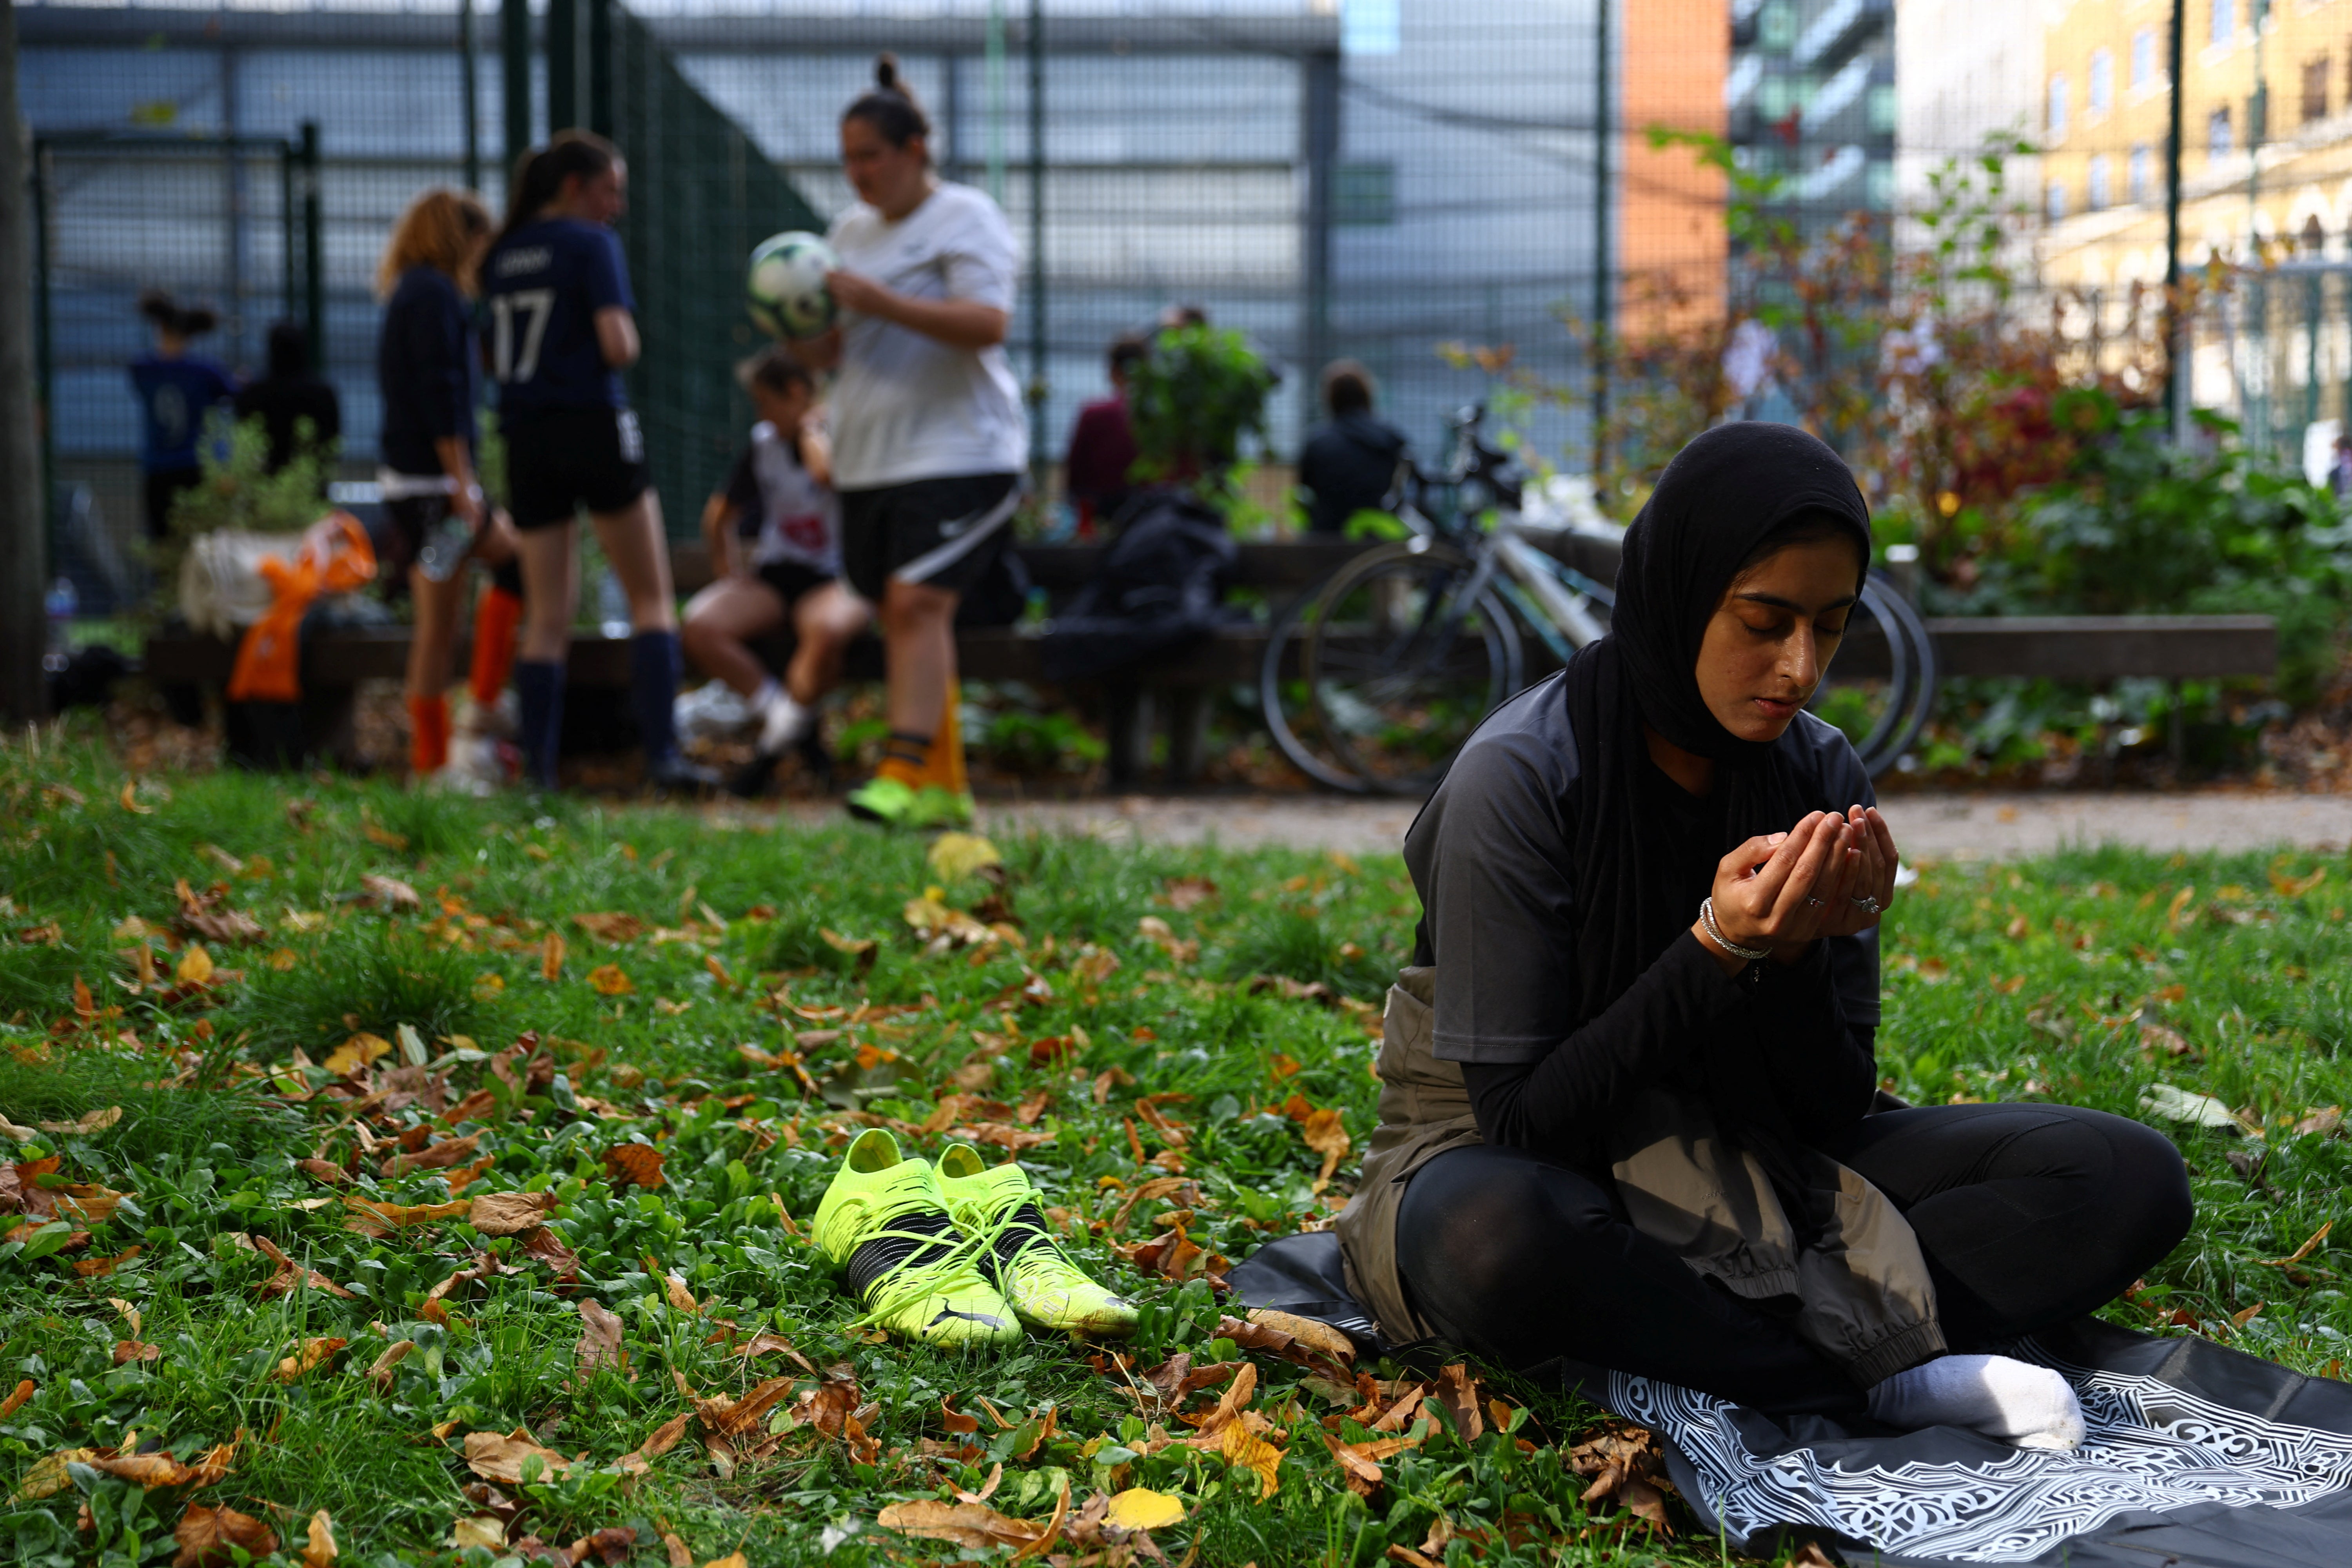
{"points": [[701, 195]]}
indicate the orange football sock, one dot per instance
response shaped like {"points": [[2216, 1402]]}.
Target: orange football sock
{"points": [[904, 757], [944, 767], [428, 734], [496, 620]]}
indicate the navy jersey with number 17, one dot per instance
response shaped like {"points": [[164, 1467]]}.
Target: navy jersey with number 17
{"points": [[543, 285]]}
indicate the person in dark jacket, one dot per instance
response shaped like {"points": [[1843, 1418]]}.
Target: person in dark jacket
{"points": [[175, 389], [1629, 1111], [289, 395], [427, 368], [1349, 465], [1102, 446]]}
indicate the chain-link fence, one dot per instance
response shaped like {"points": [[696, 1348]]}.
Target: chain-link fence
{"points": [[1381, 180]]}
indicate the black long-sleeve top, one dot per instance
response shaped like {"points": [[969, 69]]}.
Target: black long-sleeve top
{"points": [[1491, 858], [427, 369]]}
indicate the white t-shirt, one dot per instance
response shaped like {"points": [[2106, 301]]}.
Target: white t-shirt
{"points": [[790, 518], [906, 406]]}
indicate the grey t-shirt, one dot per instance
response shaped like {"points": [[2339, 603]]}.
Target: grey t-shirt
{"points": [[1491, 856]]}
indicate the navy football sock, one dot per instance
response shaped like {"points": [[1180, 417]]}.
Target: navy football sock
{"points": [[539, 688], [654, 664]]}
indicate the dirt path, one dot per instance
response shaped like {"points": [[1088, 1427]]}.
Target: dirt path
{"points": [[1937, 827]]}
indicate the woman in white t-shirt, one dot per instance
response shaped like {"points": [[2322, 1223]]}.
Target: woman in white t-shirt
{"points": [[928, 437]]}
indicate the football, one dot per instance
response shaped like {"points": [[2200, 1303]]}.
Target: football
{"points": [[784, 285]]}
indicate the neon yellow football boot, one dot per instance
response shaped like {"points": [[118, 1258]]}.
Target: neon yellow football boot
{"points": [[885, 1224], [1046, 1287]]}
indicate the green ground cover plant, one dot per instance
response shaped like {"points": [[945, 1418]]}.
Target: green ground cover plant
{"points": [[396, 1179]]}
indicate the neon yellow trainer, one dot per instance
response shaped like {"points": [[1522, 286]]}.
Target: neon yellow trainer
{"points": [[937, 807], [885, 1224], [1047, 1288], [890, 802]]}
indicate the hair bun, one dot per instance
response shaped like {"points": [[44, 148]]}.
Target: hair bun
{"points": [[885, 73]]}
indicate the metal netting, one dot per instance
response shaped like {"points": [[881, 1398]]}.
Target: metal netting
{"points": [[700, 195]]}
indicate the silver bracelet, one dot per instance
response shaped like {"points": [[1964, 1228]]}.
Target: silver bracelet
{"points": [[1707, 919]]}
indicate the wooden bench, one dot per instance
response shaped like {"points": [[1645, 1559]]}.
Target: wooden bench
{"points": [[1174, 689]]}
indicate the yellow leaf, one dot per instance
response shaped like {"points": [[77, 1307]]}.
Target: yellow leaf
{"points": [[314, 1353], [482, 1529], [130, 800], [550, 957], [47, 1477], [1244, 1449], [355, 1053], [732, 1560], [195, 966], [608, 980], [955, 855], [321, 1550], [1141, 1507]]}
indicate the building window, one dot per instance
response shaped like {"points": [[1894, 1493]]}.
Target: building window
{"points": [[2141, 173], [2225, 22], [2057, 106], [2217, 134], [2101, 95], [1878, 185], [1881, 111], [1363, 195], [2315, 90], [2143, 57], [2053, 201], [2095, 195], [1776, 27]]}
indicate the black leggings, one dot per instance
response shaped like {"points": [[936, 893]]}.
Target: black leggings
{"points": [[2028, 1214]]}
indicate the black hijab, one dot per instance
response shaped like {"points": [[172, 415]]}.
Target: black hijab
{"points": [[1639, 876]]}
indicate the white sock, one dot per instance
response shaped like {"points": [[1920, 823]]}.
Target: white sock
{"points": [[2027, 1407], [782, 723], [769, 690]]}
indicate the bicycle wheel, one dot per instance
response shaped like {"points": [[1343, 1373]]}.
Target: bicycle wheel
{"points": [[1883, 714], [1403, 660], [1289, 704]]}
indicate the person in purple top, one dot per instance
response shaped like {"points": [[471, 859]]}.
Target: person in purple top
{"points": [[563, 327], [176, 390]]}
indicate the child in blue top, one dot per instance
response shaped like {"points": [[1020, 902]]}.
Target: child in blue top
{"points": [[176, 390], [562, 327]]}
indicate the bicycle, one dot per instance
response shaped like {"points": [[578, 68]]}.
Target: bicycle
{"points": [[1373, 680]]}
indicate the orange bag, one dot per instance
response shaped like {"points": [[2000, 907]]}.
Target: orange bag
{"points": [[335, 557]]}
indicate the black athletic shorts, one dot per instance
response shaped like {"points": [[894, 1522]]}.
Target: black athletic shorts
{"points": [[944, 533], [560, 461], [409, 521], [791, 579]]}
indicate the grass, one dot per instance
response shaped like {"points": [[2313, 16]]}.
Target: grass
{"points": [[2086, 977]]}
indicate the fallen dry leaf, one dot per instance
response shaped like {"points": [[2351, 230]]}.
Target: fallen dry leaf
{"points": [[361, 1050], [1625, 1462], [486, 1530], [500, 1456], [959, 855], [600, 1339], [24, 1390], [388, 893], [48, 1476], [968, 1524], [313, 1354], [614, 930], [510, 1214], [607, 979], [207, 1534], [1141, 1507], [95, 1121], [374, 1218], [1457, 1394], [550, 957], [638, 1165], [129, 1351], [319, 1550], [195, 966], [435, 1156], [380, 1373]]}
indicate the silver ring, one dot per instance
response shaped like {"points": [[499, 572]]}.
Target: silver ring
{"points": [[1815, 902], [1870, 906]]}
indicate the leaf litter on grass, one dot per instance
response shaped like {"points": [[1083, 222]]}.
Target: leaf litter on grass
{"points": [[648, 1165]]}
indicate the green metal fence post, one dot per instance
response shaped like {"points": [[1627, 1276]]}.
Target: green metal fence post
{"points": [[2311, 350], [600, 67], [514, 65], [469, 84], [1038, 461], [1319, 74], [288, 221], [562, 65], [45, 363], [314, 266]]}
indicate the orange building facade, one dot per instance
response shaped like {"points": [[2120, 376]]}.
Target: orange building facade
{"points": [[1671, 242]]}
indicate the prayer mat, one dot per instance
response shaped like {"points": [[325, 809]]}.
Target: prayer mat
{"points": [[2196, 1455]]}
